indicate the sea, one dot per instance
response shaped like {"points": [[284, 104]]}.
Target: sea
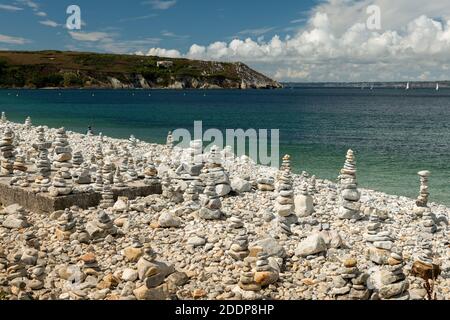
{"points": [[394, 133]]}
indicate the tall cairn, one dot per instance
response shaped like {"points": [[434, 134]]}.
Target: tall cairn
{"points": [[169, 140], [349, 194], [211, 204], [107, 200], [28, 123], [63, 152], [7, 152], [422, 200], [3, 117], [284, 205]]}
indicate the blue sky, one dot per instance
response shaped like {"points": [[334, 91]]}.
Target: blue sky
{"points": [[290, 40]]}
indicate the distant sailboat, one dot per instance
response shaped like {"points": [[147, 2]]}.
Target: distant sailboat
{"points": [[437, 86], [371, 87], [407, 86]]}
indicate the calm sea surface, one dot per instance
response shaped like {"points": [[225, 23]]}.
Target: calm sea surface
{"points": [[394, 133]]}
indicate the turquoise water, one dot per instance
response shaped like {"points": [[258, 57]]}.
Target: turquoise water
{"points": [[394, 133]]}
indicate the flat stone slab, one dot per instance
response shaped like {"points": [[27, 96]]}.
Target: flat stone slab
{"points": [[43, 202]]}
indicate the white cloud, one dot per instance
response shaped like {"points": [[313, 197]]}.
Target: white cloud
{"points": [[163, 53], [9, 7], [90, 36], [160, 4], [41, 14], [13, 40], [256, 32], [49, 23], [336, 45]]}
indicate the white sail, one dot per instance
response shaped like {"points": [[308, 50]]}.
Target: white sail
{"points": [[407, 86], [437, 86]]}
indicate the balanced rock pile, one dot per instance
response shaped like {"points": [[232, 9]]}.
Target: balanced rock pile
{"points": [[239, 248], [350, 283], [66, 225], [349, 194], [211, 204], [216, 170], [304, 205], [284, 205], [62, 183], [7, 152], [62, 150], [101, 226]]}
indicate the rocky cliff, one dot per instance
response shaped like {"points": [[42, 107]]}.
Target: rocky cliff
{"points": [[56, 69]]}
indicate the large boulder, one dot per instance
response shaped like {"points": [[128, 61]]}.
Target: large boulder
{"points": [[169, 220], [313, 244], [240, 185]]}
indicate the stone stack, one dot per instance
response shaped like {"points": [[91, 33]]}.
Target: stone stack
{"points": [[284, 205], [66, 224], [43, 165], [151, 175], [304, 202], [118, 179], [425, 253], [390, 282], [101, 226], [107, 200], [236, 223], [266, 184], [132, 141], [98, 154], [380, 242], [19, 165], [349, 194], [422, 199], [265, 275], [108, 172], [312, 185], [428, 223], [28, 123], [3, 118], [239, 248], [350, 283], [211, 204], [169, 140], [247, 279], [77, 159], [82, 175], [131, 171], [216, 170], [283, 226], [63, 152], [61, 183], [191, 192], [98, 186], [7, 152]]}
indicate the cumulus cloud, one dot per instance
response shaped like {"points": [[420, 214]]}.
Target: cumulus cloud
{"points": [[336, 45], [163, 53]]}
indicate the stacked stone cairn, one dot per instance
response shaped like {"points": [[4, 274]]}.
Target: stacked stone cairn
{"points": [[19, 165], [28, 123], [350, 283], [380, 242], [66, 225], [43, 163], [63, 152], [349, 194], [151, 174], [7, 152], [3, 118], [304, 202], [169, 140], [266, 184], [132, 141], [284, 205], [98, 154], [131, 171], [312, 185], [118, 179], [77, 159], [108, 172], [265, 275], [107, 200], [82, 175], [211, 204], [216, 170], [98, 186], [391, 282], [247, 278], [61, 183], [239, 247], [101, 226]]}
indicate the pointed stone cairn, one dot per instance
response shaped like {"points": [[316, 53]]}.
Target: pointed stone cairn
{"points": [[118, 179], [239, 248], [107, 200], [28, 123], [151, 174], [98, 154], [43, 163], [66, 224], [247, 279], [132, 141], [284, 205], [101, 226], [7, 152], [217, 171], [108, 172], [63, 152], [98, 186], [349, 194], [211, 204], [131, 171], [77, 159], [312, 185], [61, 183], [380, 242], [350, 283], [169, 140], [422, 199]]}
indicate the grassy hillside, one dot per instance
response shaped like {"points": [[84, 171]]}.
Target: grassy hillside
{"points": [[79, 69]]}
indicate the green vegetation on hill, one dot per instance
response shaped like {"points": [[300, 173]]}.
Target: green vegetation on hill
{"points": [[93, 70]]}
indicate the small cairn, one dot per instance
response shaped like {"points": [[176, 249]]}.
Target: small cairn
{"points": [[169, 140], [265, 275], [98, 154], [215, 168], [304, 202], [423, 265], [77, 159], [131, 171], [247, 279], [239, 248], [283, 226], [101, 226], [7, 152], [350, 283], [108, 172], [66, 224], [118, 179], [394, 284], [380, 242], [82, 175], [107, 200], [28, 123], [151, 175], [312, 185], [19, 165], [422, 199], [3, 118], [266, 184], [349, 194], [98, 186], [211, 204], [132, 141], [62, 183], [191, 192], [43, 165], [284, 205], [62, 150], [428, 223]]}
